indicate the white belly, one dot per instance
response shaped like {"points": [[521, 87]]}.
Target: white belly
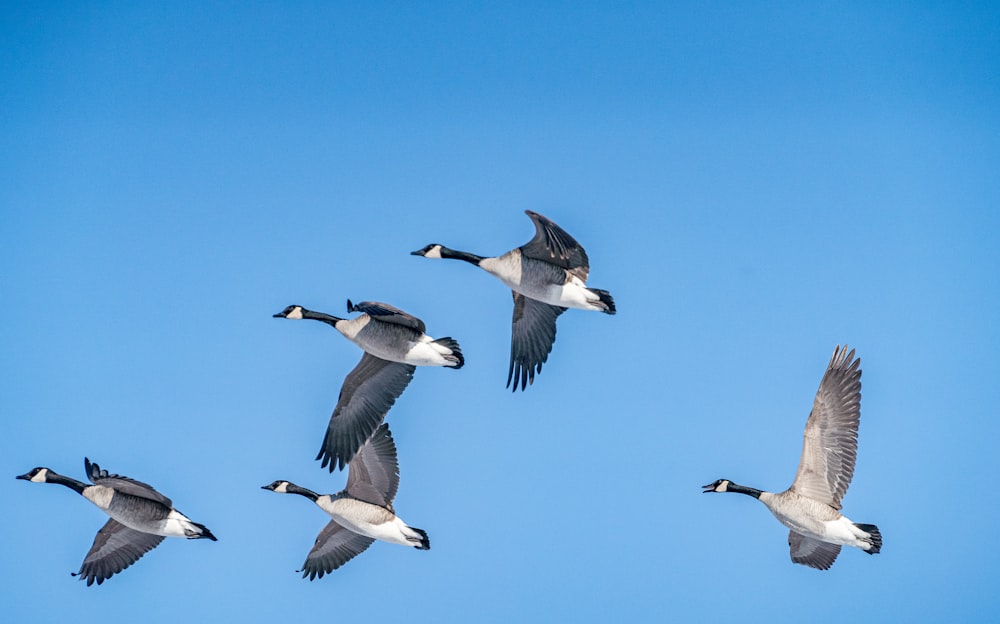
{"points": [[367, 519], [816, 520], [174, 525], [392, 531], [573, 294], [842, 531], [421, 353]]}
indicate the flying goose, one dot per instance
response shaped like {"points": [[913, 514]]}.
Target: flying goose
{"points": [[362, 512], [811, 506], [547, 275], [140, 518], [394, 343]]}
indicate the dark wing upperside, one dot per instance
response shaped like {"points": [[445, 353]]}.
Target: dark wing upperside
{"points": [[387, 314], [115, 548], [533, 333], [552, 244], [366, 396], [373, 475], [334, 547], [812, 552], [124, 484], [830, 444]]}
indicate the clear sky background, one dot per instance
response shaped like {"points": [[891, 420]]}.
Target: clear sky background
{"points": [[753, 184]]}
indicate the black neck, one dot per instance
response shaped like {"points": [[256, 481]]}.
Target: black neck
{"points": [[320, 316], [295, 489], [73, 484], [460, 255], [742, 489]]}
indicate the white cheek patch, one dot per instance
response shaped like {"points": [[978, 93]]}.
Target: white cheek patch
{"points": [[282, 488], [295, 314], [723, 487], [41, 476], [433, 252]]}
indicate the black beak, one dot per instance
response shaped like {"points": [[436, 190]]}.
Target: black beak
{"points": [[25, 476], [267, 487], [278, 315], [708, 488], [419, 252]]}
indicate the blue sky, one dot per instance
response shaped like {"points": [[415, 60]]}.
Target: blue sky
{"points": [[753, 184]]}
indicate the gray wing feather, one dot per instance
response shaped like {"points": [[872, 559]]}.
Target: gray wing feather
{"points": [[373, 475], [533, 333], [115, 548], [334, 547], [387, 314], [812, 552], [366, 396], [122, 484], [552, 244], [830, 445]]}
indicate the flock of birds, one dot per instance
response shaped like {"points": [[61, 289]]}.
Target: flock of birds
{"points": [[547, 276]]}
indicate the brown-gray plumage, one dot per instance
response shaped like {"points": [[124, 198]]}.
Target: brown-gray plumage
{"points": [[140, 518], [362, 512], [395, 343], [547, 275], [810, 507]]}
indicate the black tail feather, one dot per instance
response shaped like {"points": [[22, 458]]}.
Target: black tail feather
{"points": [[606, 299], [205, 533], [876, 537], [456, 351], [425, 542]]}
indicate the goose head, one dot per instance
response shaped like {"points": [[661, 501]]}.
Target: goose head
{"points": [[279, 486], [430, 251], [719, 485], [293, 312], [36, 475]]}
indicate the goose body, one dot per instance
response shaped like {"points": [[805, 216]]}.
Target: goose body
{"points": [[140, 518], [547, 275], [362, 512], [810, 508], [395, 343], [372, 520], [387, 333]]}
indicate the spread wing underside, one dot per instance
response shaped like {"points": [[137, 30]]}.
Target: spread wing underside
{"points": [[533, 333], [812, 552], [366, 396], [830, 444], [115, 548]]}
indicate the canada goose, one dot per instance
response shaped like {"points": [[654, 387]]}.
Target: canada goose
{"points": [[362, 512], [140, 518], [810, 507], [547, 275], [394, 343]]}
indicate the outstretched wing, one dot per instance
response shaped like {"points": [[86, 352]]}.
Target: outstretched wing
{"points": [[533, 333], [122, 484], [812, 552], [552, 244], [830, 444], [387, 314], [373, 475], [366, 396], [334, 547], [115, 548]]}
